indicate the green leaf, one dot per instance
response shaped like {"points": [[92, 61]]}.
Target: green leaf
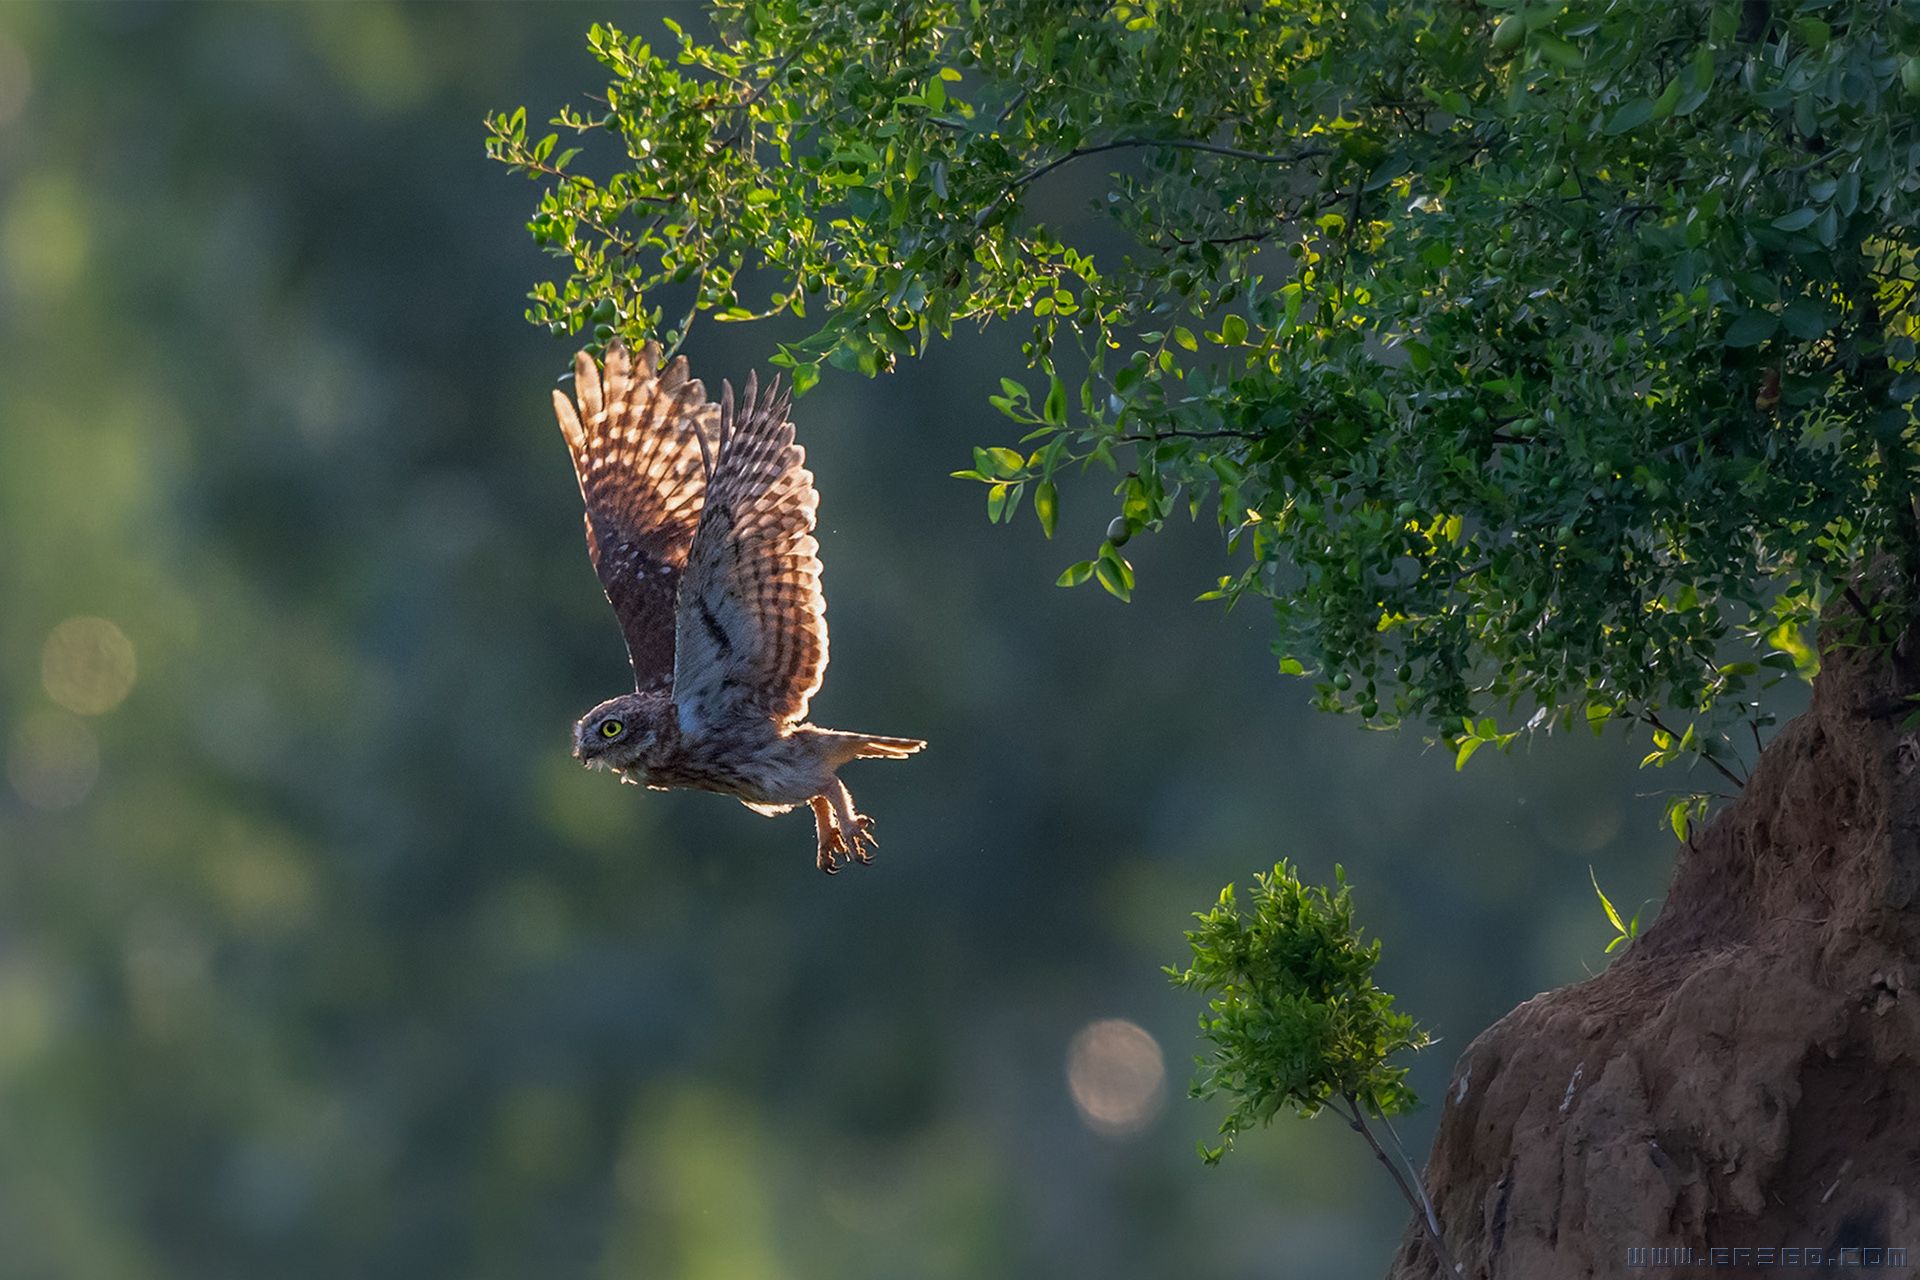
{"points": [[1467, 747], [1558, 51], [1114, 573], [1631, 116], [1233, 330], [1797, 220], [1046, 505], [1055, 410], [999, 462], [1751, 329], [1806, 319], [1075, 574], [1606, 904], [1669, 99]]}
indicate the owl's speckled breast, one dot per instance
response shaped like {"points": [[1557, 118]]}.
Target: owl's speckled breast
{"points": [[751, 760]]}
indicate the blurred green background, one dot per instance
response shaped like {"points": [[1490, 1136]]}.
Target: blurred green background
{"points": [[318, 954]]}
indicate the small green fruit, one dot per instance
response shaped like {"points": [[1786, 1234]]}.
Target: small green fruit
{"points": [[1118, 531], [1501, 257], [1553, 177], [1342, 681], [1508, 35], [1910, 77]]}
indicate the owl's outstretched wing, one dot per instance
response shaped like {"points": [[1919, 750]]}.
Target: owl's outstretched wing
{"points": [[752, 626], [637, 446]]}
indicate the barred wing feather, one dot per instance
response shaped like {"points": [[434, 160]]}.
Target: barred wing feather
{"points": [[751, 630], [637, 438]]}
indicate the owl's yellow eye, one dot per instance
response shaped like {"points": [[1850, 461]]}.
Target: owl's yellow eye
{"points": [[611, 728]]}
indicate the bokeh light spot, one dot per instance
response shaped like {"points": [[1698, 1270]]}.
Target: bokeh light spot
{"points": [[53, 761], [1117, 1076], [87, 666]]}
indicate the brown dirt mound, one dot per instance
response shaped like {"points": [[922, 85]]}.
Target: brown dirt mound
{"points": [[1747, 1075]]}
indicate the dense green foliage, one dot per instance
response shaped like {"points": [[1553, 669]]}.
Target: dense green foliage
{"points": [[1542, 364], [1294, 1015]]}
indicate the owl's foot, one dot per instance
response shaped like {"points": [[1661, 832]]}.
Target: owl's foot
{"points": [[830, 843], [843, 831], [858, 846]]}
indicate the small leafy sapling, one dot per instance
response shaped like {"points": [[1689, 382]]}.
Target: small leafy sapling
{"points": [[1296, 1020]]}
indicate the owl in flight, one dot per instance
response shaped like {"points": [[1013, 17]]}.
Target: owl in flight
{"points": [[700, 525]]}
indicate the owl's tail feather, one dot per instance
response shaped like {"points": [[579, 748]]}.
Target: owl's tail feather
{"points": [[868, 746]]}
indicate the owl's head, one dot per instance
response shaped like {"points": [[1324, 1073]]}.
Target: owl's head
{"points": [[615, 734]]}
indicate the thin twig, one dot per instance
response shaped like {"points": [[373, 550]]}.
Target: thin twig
{"points": [[1357, 1121], [1654, 720], [1419, 1183], [686, 321], [1191, 435], [1250, 237], [1182, 144]]}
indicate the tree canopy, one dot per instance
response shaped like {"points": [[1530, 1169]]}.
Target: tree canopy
{"points": [[1542, 363]]}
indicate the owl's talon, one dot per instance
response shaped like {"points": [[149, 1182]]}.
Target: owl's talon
{"points": [[859, 843], [830, 844]]}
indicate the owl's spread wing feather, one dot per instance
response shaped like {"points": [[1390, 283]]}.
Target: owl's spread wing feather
{"points": [[637, 444], [752, 627]]}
